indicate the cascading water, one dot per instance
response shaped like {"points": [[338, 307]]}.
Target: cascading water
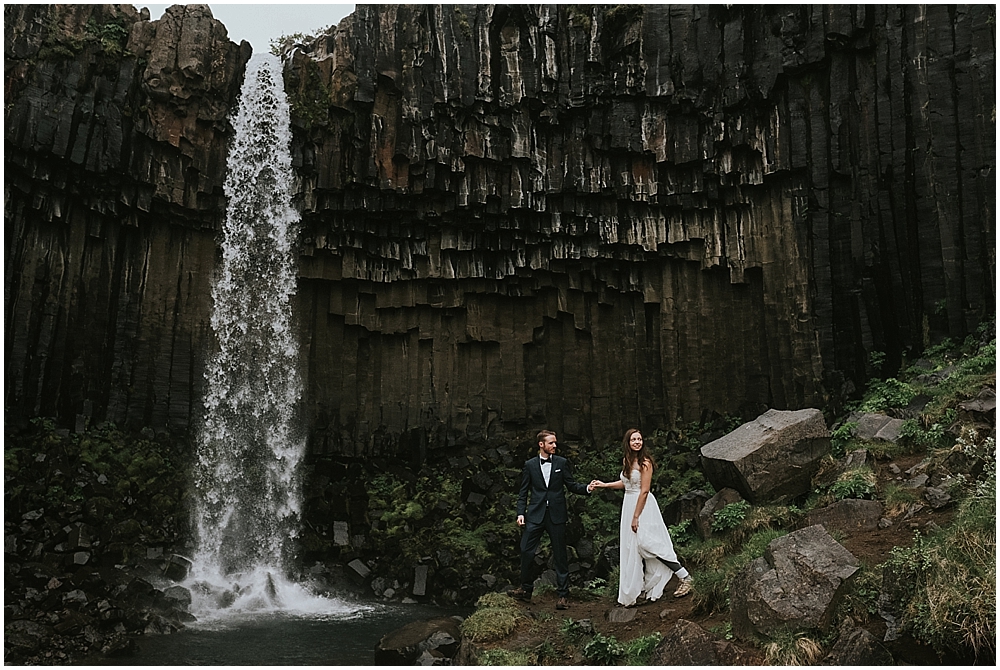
{"points": [[247, 501]]}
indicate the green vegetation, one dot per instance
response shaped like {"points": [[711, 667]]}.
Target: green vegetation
{"points": [[792, 649], [107, 39], [730, 516], [640, 650], [496, 616], [603, 650], [503, 657], [856, 483]]}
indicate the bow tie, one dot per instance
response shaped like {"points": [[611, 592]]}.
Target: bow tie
{"points": [[545, 460]]}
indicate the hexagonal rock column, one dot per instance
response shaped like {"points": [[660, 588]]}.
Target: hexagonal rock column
{"points": [[771, 458], [794, 586]]}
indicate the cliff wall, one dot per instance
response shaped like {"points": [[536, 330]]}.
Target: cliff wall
{"points": [[576, 217]]}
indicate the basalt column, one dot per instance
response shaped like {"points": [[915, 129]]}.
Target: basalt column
{"points": [[586, 218], [581, 217]]}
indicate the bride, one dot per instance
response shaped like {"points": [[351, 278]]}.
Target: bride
{"points": [[644, 536]]}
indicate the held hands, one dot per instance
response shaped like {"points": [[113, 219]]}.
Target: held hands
{"points": [[595, 484]]}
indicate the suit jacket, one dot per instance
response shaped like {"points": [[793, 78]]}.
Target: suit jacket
{"points": [[553, 495]]}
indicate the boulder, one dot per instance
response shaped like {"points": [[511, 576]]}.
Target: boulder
{"points": [[686, 507], [856, 646], [687, 643], [177, 568], [796, 585], [28, 635], [771, 458], [621, 614], [848, 515], [405, 645], [875, 427], [420, 580], [703, 522]]}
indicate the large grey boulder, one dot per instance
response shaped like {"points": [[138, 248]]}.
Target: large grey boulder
{"points": [[771, 458], [796, 585]]}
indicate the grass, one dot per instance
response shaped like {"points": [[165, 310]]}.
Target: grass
{"points": [[496, 617], [950, 577], [792, 649]]}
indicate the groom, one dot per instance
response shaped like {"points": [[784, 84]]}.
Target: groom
{"points": [[544, 477]]}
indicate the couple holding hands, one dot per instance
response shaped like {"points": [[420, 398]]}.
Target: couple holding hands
{"points": [[647, 558]]}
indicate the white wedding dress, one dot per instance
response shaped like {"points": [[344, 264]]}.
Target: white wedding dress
{"points": [[651, 543]]}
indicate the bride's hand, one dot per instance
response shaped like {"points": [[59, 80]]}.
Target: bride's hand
{"points": [[596, 484], [635, 525]]}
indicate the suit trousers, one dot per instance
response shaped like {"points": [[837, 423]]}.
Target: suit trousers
{"points": [[529, 545]]}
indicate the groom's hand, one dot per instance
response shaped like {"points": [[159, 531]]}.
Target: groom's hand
{"points": [[520, 520]]}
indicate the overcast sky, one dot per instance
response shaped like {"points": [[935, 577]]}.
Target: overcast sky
{"points": [[258, 24]]}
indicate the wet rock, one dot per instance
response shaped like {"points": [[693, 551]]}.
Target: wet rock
{"points": [[177, 568], [794, 586], [771, 458], [26, 635], [178, 596], [359, 568], [404, 645]]}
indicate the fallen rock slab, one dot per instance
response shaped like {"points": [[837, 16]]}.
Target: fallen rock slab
{"points": [[858, 647], [771, 458], [848, 516], [794, 586]]}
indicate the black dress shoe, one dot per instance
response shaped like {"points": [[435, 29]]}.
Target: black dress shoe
{"points": [[520, 594], [562, 604]]}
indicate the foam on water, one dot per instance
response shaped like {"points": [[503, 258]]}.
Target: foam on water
{"points": [[247, 489]]}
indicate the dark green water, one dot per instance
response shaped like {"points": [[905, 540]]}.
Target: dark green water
{"points": [[282, 639]]}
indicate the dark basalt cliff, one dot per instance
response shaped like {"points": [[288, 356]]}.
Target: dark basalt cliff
{"points": [[580, 217]]}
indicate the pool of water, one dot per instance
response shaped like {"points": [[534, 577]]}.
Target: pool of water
{"points": [[277, 638]]}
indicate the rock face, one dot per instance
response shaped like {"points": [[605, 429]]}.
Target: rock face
{"points": [[771, 458], [513, 216], [796, 585]]}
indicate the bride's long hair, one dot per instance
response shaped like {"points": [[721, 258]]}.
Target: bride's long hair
{"points": [[634, 459]]}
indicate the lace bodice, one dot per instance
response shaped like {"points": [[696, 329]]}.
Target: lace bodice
{"points": [[633, 484]]}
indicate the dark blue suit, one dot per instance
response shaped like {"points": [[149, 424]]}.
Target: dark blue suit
{"points": [[546, 511]]}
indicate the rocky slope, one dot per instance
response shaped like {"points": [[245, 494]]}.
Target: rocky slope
{"points": [[513, 216]]}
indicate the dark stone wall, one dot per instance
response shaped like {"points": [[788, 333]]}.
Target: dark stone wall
{"points": [[576, 217]]}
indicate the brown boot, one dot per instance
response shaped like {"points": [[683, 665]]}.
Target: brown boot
{"points": [[562, 604]]}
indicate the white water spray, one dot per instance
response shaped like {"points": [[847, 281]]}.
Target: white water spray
{"points": [[248, 502]]}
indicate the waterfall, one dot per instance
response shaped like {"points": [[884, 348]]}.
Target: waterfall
{"points": [[247, 493]]}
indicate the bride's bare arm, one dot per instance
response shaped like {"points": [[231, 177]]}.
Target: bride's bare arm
{"points": [[617, 484], [646, 476]]}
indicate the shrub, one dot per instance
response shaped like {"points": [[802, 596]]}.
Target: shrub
{"points": [[858, 483], [841, 436], [730, 516], [885, 394], [640, 650], [603, 650], [949, 578]]}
